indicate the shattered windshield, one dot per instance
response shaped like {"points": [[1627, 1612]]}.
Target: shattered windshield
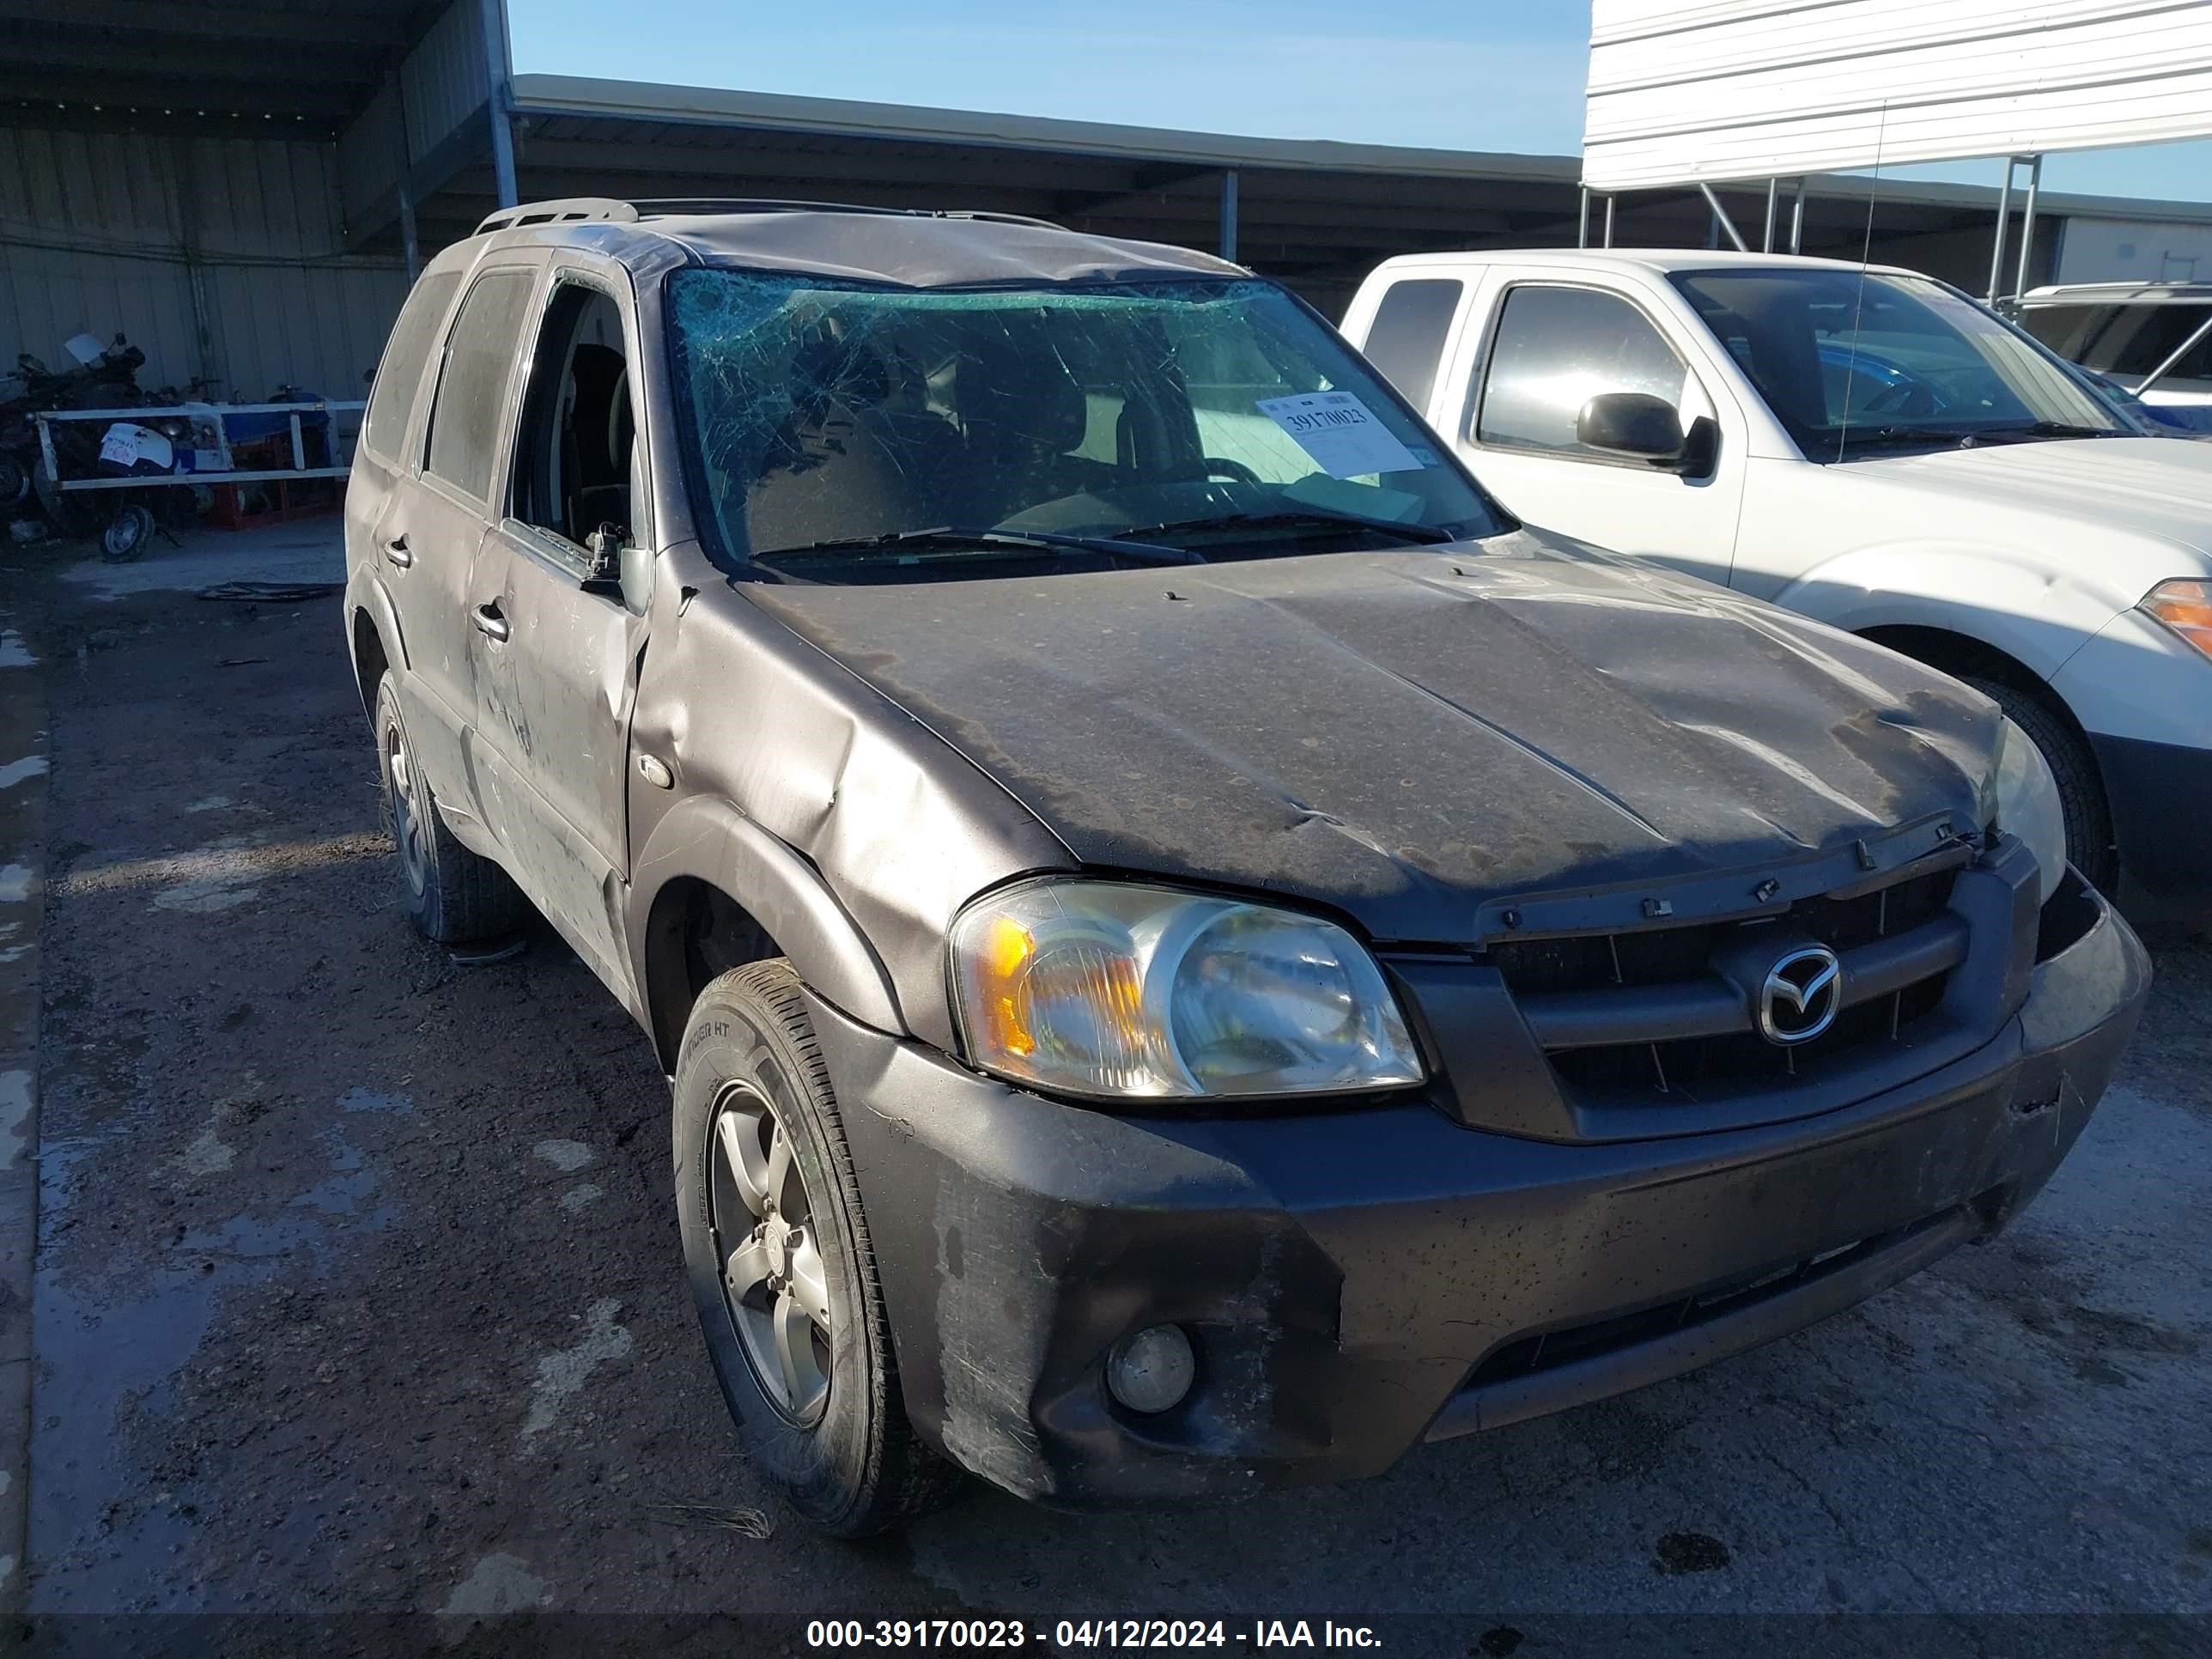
{"points": [[1860, 362], [841, 433]]}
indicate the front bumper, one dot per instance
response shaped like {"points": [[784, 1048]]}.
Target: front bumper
{"points": [[2161, 796], [1355, 1282]]}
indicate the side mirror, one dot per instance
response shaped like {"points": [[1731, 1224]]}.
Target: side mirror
{"points": [[1634, 424], [636, 577], [619, 568]]}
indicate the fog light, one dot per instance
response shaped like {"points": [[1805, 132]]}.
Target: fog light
{"points": [[1152, 1369]]}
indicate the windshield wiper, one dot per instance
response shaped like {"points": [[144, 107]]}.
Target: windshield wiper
{"points": [[1424, 533], [1967, 437], [1873, 436], [2054, 429], [953, 536]]}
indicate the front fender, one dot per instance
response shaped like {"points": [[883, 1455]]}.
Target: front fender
{"points": [[708, 839], [2038, 615]]}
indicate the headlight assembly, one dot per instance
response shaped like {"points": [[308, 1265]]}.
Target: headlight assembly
{"points": [[2027, 805], [1107, 989], [2186, 608]]}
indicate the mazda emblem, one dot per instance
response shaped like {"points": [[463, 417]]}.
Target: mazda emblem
{"points": [[1800, 995]]}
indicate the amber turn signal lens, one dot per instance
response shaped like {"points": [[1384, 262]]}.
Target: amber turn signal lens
{"points": [[2186, 608]]}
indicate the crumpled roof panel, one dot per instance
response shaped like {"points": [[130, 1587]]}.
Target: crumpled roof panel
{"points": [[916, 250]]}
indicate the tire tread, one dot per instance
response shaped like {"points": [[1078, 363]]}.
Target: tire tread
{"points": [[2080, 788], [469, 896], [905, 1479]]}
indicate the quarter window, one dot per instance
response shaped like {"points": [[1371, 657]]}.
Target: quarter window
{"points": [[400, 374], [1406, 340], [2124, 339], [1555, 350], [480, 353]]}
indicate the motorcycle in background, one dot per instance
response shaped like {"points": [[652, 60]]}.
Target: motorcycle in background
{"points": [[102, 375]]}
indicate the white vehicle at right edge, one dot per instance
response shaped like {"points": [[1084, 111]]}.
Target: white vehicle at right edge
{"points": [[1871, 448]]}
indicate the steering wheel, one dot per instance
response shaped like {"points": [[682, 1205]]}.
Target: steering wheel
{"points": [[1220, 466]]}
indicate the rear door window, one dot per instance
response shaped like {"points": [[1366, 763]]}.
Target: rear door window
{"points": [[400, 374], [1406, 340], [1555, 350], [466, 424]]}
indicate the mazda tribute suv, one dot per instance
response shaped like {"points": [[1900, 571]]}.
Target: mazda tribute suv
{"points": [[1192, 951]]}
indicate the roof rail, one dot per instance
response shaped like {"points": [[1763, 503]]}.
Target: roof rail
{"points": [[777, 204], [570, 210]]}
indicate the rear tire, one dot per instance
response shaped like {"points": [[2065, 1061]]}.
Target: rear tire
{"points": [[127, 534], [761, 1161], [452, 894], [2081, 791]]}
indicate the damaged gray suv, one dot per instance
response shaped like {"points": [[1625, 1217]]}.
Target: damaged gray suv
{"points": [[1192, 952]]}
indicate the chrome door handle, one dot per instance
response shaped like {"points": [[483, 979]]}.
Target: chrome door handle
{"points": [[490, 623], [396, 551]]}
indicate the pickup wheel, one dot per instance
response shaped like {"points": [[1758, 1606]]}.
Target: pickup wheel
{"points": [[2081, 792], [452, 894], [777, 1249]]}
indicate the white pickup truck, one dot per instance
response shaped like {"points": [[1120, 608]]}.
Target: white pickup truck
{"points": [[1873, 448]]}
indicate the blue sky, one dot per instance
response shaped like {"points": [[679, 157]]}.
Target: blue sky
{"points": [[1473, 74]]}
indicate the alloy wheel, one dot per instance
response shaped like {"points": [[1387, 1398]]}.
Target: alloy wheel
{"points": [[774, 1281], [409, 824]]}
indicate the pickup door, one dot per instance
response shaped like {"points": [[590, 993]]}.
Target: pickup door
{"points": [[1529, 348]]}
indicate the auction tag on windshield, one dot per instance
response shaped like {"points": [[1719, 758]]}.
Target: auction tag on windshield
{"points": [[1341, 434]]}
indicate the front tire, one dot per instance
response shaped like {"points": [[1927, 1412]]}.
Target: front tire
{"points": [[776, 1246], [452, 894], [2081, 790]]}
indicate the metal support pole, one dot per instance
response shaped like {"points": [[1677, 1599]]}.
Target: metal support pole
{"points": [[2175, 356], [2004, 215], [1720, 216], [188, 217], [2027, 225], [497, 103], [1582, 221], [1797, 221], [408, 241], [1773, 195], [1229, 215], [1608, 222]]}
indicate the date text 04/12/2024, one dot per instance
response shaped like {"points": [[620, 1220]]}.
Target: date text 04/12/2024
{"points": [[1086, 1633]]}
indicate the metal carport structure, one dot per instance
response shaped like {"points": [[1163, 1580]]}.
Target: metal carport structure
{"points": [[244, 186]]}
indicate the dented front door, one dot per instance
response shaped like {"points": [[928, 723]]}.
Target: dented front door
{"points": [[556, 681]]}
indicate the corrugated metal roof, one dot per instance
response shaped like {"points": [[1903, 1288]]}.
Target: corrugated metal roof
{"points": [[305, 65], [576, 107], [553, 94]]}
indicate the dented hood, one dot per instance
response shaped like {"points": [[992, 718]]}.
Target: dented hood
{"points": [[1399, 733]]}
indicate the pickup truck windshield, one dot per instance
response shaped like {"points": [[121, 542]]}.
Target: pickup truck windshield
{"points": [[1859, 363], [847, 433]]}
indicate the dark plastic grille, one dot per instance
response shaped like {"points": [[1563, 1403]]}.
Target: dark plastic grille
{"points": [[1679, 955], [1746, 1057]]}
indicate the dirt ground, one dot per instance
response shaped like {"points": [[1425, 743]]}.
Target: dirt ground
{"points": [[358, 1299]]}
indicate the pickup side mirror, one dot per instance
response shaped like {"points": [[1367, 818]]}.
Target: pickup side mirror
{"points": [[1633, 424]]}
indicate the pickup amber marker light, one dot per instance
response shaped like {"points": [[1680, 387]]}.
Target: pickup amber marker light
{"points": [[2186, 608]]}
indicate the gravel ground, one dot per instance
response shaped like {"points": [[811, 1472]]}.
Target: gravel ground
{"points": [[358, 1299]]}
